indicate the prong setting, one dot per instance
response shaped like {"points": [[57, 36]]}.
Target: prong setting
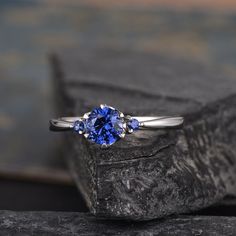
{"points": [[104, 125], [86, 115], [130, 131], [132, 124], [102, 105], [122, 115], [79, 126], [105, 146]]}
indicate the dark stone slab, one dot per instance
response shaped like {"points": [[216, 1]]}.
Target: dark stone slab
{"points": [[64, 223], [225, 207], [33, 196], [156, 173]]}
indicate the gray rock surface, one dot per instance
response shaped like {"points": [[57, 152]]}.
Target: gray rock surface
{"points": [[150, 174], [83, 224]]}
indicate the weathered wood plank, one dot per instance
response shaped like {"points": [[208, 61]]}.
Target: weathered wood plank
{"points": [[156, 173], [82, 224]]}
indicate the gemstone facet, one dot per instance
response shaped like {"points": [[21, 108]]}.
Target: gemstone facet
{"points": [[133, 124], [79, 126], [104, 125]]}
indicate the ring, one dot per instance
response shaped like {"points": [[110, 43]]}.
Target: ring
{"points": [[105, 125]]}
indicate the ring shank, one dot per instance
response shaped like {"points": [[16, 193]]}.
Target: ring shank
{"points": [[146, 122], [157, 122]]}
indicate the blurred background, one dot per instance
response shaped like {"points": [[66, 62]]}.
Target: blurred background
{"points": [[33, 174]]}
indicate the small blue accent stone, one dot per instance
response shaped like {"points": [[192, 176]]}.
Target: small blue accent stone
{"points": [[79, 126], [104, 125], [133, 124]]}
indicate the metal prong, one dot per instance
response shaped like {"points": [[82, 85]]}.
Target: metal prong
{"points": [[86, 115], [86, 135], [141, 124], [104, 146], [122, 115], [122, 135], [103, 105], [130, 131]]}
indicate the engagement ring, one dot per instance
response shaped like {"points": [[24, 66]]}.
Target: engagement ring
{"points": [[105, 125]]}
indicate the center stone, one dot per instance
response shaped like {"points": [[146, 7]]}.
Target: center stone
{"points": [[104, 125]]}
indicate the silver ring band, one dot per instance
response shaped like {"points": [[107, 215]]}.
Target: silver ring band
{"points": [[146, 122]]}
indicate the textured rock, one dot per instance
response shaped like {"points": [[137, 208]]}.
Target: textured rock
{"points": [[150, 174], [82, 224]]}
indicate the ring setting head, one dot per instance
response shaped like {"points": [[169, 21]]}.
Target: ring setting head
{"points": [[104, 125]]}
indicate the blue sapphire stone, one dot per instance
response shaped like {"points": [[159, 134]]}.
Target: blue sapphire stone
{"points": [[133, 124], [79, 126], [104, 125]]}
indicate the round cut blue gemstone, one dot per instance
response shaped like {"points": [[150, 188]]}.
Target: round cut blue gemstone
{"points": [[104, 125], [133, 124], [79, 126]]}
